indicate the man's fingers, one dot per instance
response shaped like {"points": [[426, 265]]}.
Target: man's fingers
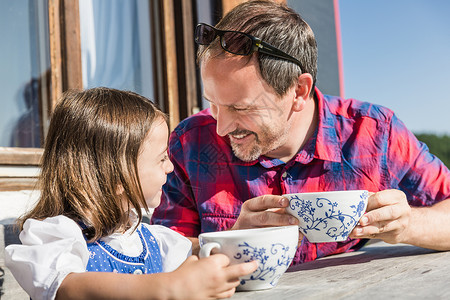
{"points": [[270, 218], [387, 217], [265, 202], [375, 229], [384, 198], [264, 211], [386, 213]]}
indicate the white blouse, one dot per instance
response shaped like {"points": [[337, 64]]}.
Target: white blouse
{"points": [[54, 247]]}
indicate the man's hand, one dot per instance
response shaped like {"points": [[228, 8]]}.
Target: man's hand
{"points": [[264, 211], [387, 218]]}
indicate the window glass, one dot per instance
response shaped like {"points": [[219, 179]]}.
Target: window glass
{"points": [[116, 45], [24, 71], [208, 12]]}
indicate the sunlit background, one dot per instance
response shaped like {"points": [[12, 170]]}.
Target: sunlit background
{"points": [[397, 53]]}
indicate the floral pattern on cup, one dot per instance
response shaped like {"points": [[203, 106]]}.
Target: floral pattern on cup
{"points": [[265, 271], [272, 247], [313, 221]]}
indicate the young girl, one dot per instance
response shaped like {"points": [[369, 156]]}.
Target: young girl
{"points": [[105, 159]]}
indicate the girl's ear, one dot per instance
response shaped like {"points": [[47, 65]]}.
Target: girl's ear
{"points": [[302, 91], [119, 189]]}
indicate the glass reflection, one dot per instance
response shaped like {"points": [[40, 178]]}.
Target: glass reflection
{"points": [[116, 45], [24, 71]]}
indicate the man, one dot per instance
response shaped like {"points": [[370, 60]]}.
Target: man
{"points": [[269, 132]]}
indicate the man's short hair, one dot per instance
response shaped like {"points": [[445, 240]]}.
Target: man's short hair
{"points": [[281, 27]]}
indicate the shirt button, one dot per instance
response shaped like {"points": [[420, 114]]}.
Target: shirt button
{"points": [[137, 271], [284, 175]]}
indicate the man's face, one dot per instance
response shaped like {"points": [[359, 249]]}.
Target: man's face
{"points": [[246, 108]]}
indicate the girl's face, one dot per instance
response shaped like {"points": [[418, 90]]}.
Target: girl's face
{"points": [[153, 163]]}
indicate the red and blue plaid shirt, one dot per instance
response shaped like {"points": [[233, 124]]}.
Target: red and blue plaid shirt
{"points": [[357, 145]]}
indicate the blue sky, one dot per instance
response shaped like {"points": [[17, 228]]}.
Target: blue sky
{"points": [[397, 53]]}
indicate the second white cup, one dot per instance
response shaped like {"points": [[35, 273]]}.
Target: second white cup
{"points": [[273, 248]]}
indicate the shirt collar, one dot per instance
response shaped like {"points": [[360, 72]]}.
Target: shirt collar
{"points": [[323, 144]]}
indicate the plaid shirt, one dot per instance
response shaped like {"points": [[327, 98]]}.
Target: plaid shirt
{"points": [[357, 145]]}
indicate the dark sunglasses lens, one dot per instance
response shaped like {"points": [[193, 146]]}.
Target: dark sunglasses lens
{"points": [[204, 35], [237, 43]]}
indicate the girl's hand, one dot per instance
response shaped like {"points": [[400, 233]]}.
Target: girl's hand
{"points": [[209, 278]]}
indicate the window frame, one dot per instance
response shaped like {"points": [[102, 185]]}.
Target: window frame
{"points": [[66, 73], [65, 65]]}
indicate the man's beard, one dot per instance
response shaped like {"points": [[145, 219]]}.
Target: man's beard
{"points": [[246, 155], [267, 141]]}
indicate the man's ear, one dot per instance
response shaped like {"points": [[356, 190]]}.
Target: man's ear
{"points": [[302, 91]]}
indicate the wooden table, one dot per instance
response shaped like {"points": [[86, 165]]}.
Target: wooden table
{"points": [[377, 271]]}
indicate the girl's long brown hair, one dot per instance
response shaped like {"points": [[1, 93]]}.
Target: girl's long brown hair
{"points": [[90, 151]]}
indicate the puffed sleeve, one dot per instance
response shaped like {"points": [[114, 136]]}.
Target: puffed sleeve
{"points": [[50, 250], [174, 247]]}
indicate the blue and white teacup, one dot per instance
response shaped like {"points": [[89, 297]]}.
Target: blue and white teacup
{"points": [[327, 216], [273, 248]]}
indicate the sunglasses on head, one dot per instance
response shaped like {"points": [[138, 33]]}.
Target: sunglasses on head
{"points": [[239, 43]]}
